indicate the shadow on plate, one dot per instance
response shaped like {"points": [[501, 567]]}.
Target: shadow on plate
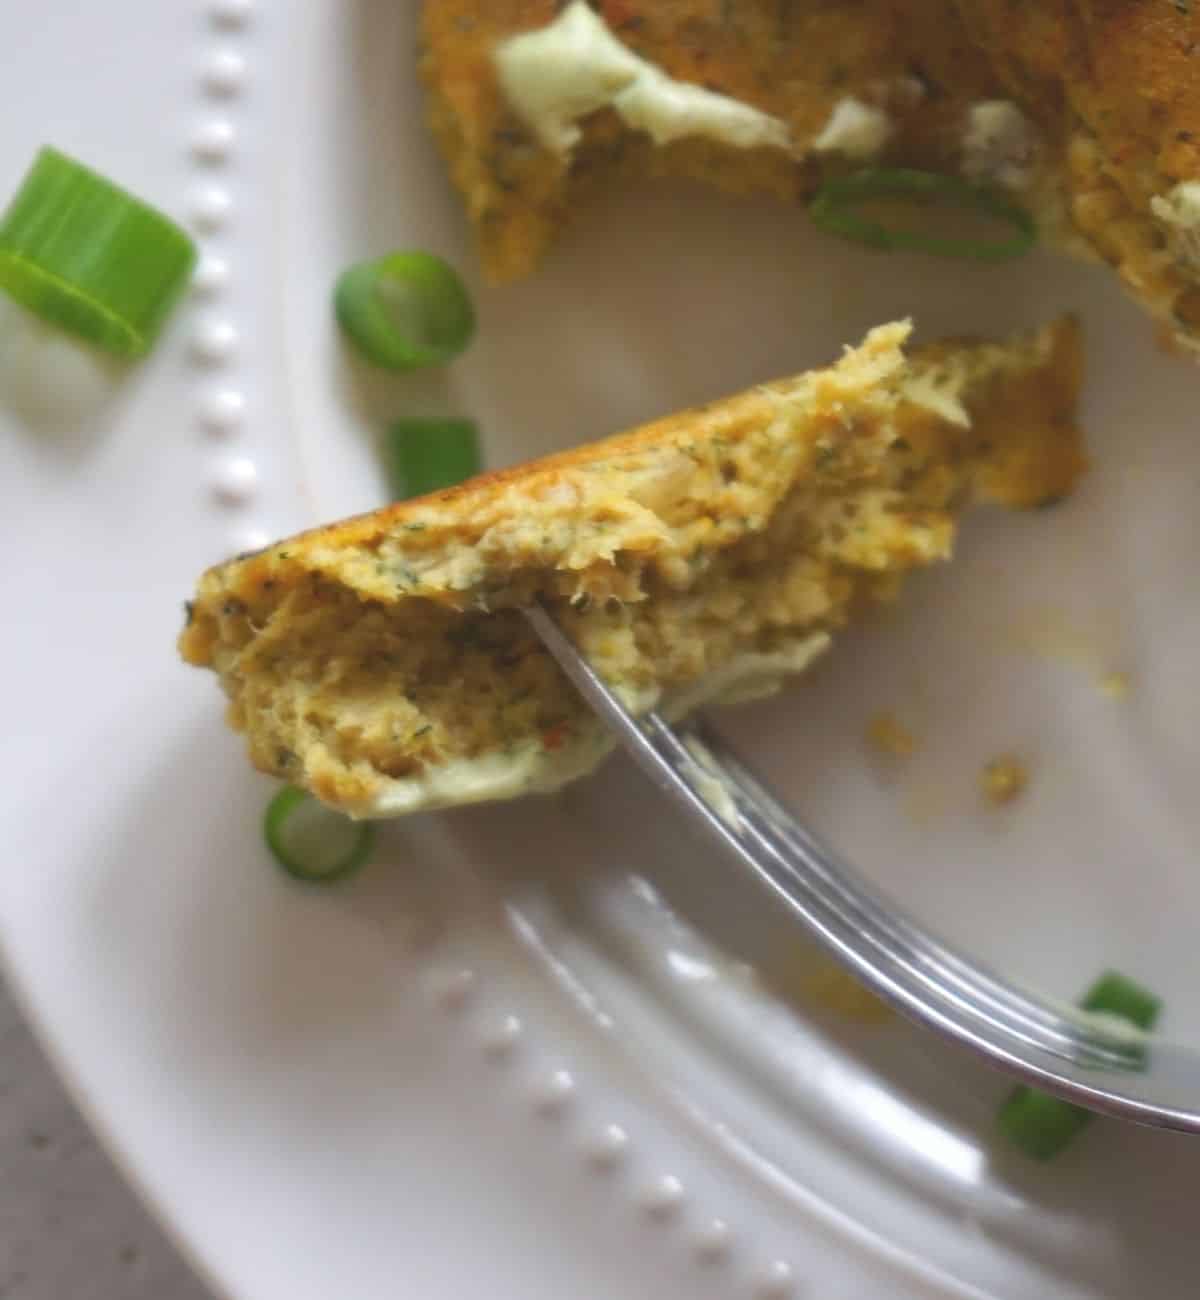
{"points": [[58, 388], [904, 1106], [264, 988]]}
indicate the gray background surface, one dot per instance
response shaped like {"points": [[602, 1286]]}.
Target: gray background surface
{"points": [[70, 1229]]}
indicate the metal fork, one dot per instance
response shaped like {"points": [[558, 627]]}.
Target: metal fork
{"points": [[1081, 1059]]}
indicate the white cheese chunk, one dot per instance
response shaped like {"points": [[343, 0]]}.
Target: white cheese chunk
{"points": [[854, 129], [668, 110], [556, 74], [999, 144], [1179, 212]]}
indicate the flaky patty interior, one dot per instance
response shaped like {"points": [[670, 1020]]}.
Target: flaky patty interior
{"points": [[718, 541]]}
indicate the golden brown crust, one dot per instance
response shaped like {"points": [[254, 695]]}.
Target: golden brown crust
{"points": [[477, 497]]}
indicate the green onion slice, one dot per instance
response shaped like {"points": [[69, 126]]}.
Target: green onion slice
{"points": [[405, 310], [1041, 1125], [90, 258], [311, 841], [834, 210], [424, 454], [1115, 995], [1038, 1124]]}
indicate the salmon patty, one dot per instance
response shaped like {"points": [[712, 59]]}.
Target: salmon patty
{"points": [[1087, 110], [383, 663]]}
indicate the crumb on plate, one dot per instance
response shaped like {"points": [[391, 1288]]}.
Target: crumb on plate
{"points": [[886, 734], [1003, 779], [1115, 685], [837, 991]]}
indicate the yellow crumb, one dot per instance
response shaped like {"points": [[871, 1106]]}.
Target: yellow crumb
{"points": [[1115, 685], [836, 990], [1003, 779], [887, 735]]}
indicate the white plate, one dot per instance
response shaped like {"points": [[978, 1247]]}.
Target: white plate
{"points": [[508, 1060]]}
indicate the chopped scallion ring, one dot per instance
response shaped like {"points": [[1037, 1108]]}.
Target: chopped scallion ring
{"points": [[1041, 1125], [405, 310], [312, 842], [90, 258], [1038, 1124], [427, 453], [1113, 994], [834, 210]]}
